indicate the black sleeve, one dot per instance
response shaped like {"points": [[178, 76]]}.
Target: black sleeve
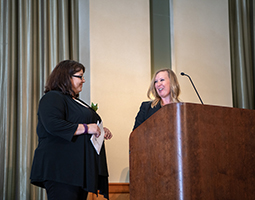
{"points": [[52, 115], [141, 116]]}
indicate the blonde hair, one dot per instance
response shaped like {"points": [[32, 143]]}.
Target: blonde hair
{"points": [[174, 88]]}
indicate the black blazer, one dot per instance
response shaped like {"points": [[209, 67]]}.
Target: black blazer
{"points": [[145, 112], [62, 157]]}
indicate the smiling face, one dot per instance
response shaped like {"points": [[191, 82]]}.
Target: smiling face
{"points": [[162, 85], [77, 82]]}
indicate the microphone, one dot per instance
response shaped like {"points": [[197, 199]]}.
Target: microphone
{"points": [[183, 74]]}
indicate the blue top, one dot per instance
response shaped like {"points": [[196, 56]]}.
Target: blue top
{"points": [[145, 112]]}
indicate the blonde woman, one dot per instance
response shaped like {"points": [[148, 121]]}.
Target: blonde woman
{"points": [[164, 89]]}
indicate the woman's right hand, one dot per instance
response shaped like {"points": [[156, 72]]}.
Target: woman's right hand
{"points": [[94, 130]]}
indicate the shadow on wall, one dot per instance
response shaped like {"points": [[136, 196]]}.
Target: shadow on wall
{"points": [[125, 175]]}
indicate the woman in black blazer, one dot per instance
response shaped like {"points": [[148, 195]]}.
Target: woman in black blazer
{"points": [[164, 89], [65, 161]]}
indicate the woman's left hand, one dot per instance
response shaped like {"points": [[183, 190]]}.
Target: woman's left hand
{"points": [[108, 135]]}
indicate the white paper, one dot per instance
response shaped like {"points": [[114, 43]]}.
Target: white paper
{"points": [[98, 142]]}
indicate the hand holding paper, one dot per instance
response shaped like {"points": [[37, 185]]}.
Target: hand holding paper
{"points": [[107, 134], [98, 142]]}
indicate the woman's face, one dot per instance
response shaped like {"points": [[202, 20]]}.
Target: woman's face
{"points": [[77, 81], [162, 84]]}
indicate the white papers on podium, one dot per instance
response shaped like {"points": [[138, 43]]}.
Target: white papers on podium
{"points": [[98, 142]]}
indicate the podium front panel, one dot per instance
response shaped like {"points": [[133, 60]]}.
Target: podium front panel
{"points": [[191, 151]]}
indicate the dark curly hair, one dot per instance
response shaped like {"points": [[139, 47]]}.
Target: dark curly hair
{"points": [[60, 77]]}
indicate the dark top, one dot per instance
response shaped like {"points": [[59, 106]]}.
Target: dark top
{"points": [[145, 112], [61, 156]]}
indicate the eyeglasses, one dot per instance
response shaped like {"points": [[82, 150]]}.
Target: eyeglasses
{"points": [[77, 76]]}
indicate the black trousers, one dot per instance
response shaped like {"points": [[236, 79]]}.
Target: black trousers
{"points": [[61, 191]]}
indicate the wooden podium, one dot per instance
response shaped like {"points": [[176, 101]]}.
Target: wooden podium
{"points": [[190, 151]]}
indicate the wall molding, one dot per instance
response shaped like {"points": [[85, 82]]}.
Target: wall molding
{"points": [[116, 191]]}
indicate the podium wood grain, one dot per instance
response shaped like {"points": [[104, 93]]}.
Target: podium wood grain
{"points": [[189, 151]]}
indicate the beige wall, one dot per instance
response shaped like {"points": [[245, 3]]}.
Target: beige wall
{"points": [[120, 63], [201, 49], [120, 72]]}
